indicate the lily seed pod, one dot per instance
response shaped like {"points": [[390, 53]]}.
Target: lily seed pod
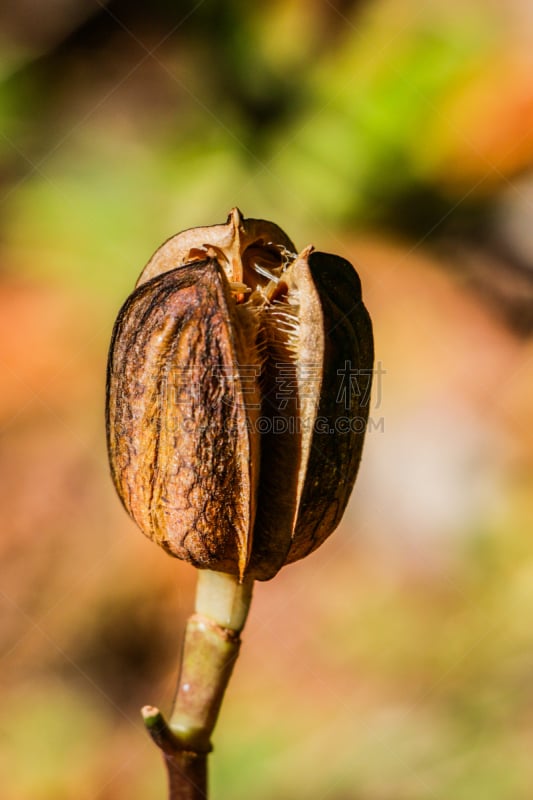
{"points": [[238, 389]]}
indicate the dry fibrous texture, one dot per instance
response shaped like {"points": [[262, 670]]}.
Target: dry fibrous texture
{"points": [[238, 390]]}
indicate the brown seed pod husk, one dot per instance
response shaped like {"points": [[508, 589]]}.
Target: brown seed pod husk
{"points": [[238, 390]]}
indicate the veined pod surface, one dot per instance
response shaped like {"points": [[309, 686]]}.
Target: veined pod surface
{"points": [[238, 391]]}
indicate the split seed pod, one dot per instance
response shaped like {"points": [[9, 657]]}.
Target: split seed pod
{"points": [[237, 396]]}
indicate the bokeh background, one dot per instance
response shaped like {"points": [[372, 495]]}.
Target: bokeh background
{"points": [[396, 663]]}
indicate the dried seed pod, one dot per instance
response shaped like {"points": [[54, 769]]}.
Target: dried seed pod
{"points": [[233, 435]]}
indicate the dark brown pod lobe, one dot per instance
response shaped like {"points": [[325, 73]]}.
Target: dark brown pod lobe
{"points": [[333, 451], [182, 450], [321, 353]]}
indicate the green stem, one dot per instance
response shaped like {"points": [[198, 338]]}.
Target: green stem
{"points": [[210, 650]]}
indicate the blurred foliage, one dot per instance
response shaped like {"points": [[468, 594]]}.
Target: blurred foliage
{"points": [[395, 662], [135, 125], [353, 115]]}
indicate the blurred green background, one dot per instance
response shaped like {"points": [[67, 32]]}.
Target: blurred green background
{"points": [[396, 663]]}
